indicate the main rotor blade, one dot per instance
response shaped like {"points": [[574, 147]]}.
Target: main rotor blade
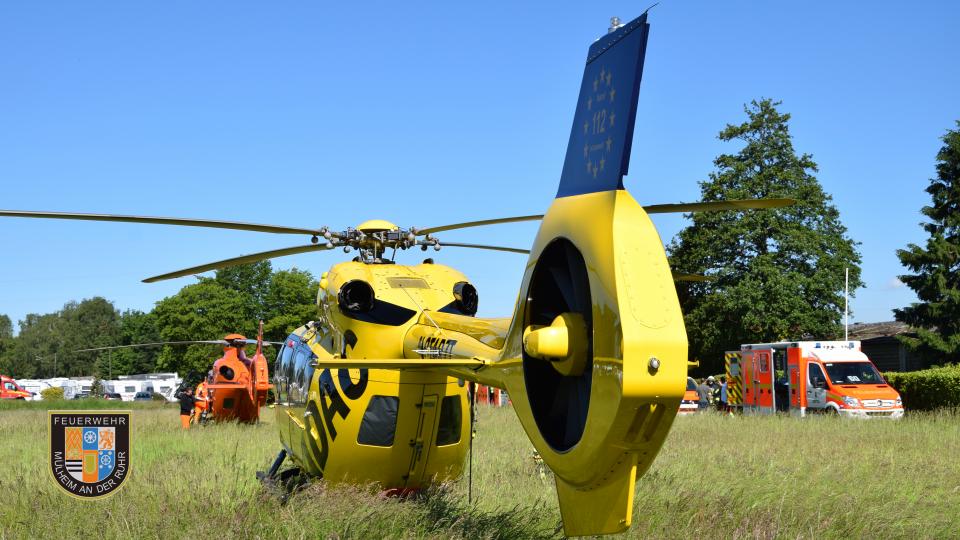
{"points": [[220, 342], [481, 246], [714, 206], [479, 223], [740, 204], [243, 259], [212, 223], [677, 276], [157, 344]]}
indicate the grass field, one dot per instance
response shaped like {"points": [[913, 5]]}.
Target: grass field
{"points": [[716, 477]]}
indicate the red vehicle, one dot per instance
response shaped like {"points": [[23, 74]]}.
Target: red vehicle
{"points": [[688, 404], [9, 389]]}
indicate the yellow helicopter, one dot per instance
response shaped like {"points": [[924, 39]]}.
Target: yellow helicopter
{"points": [[594, 356]]}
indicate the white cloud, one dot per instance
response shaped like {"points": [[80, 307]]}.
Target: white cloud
{"points": [[894, 283]]}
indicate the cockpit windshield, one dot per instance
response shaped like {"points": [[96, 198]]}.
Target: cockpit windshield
{"points": [[853, 373]]}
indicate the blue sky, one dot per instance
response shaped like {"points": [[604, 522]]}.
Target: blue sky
{"points": [[310, 114]]}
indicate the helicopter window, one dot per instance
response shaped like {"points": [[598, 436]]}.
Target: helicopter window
{"points": [[282, 380], [448, 431], [302, 372], [379, 421], [305, 359]]}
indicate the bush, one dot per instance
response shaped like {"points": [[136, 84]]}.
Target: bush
{"points": [[52, 393], [158, 397], [96, 389], [928, 389]]}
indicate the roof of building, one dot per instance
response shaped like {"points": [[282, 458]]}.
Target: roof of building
{"points": [[863, 331]]}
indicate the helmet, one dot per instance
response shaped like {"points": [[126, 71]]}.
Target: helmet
{"points": [[710, 379]]}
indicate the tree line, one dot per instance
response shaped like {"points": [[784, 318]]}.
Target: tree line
{"points": [[774, 275], [233, 301], [779, 275]]}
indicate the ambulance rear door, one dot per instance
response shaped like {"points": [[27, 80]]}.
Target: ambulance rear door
{"points": [[761, 382]]}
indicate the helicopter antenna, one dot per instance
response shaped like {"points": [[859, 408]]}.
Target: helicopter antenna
{"points": [[473, 401], [427, 315]]}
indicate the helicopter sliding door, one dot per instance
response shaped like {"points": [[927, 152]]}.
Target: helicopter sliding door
{"points": [[423, 440], [442, 432]]}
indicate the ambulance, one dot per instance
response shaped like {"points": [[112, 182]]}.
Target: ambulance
{"points": [[806, 377], [9, 389]]}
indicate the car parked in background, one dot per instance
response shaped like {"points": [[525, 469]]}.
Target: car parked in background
{"points": [[688, 404]]}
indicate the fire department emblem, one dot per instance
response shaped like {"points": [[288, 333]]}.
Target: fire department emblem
{"points": [[90, 451]]}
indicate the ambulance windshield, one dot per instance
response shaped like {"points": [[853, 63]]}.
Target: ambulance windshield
{"points": [[853, 373]]}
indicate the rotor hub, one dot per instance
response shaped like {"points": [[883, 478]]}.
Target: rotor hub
{"points": [[373, 238]]}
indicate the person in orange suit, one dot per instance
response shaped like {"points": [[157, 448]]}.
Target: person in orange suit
{"points": [[187, 401], [202, 401]]}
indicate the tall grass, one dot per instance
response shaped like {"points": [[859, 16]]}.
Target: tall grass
{"points": [[716, 477]]}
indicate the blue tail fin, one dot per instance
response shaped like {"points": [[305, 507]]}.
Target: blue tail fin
{"points": [[599, 150]]}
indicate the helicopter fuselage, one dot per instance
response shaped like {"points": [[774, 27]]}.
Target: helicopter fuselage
{"points": [[402, 430]]}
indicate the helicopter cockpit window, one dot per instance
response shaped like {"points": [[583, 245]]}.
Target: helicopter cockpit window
{"points": [[302, 373], [448, 430], [284, 359], [379, 421]]}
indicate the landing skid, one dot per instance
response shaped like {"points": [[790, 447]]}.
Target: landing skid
{"points": [[284, 483]]}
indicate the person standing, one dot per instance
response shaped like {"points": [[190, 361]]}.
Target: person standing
{"points": [[714, 392], [724, 405], [703, 395], [201, 402], [187, 401]]}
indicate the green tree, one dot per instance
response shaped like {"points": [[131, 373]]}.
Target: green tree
{"points": [[136, 327], [204, 310], [289, 302], [936, 266], [6, 327], [35, 341], [777, 274], [91, 323], [6, 342], [47, 344], [251, 281]]}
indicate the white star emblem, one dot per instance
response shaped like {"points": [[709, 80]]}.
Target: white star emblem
{"points": [[89, 437]]}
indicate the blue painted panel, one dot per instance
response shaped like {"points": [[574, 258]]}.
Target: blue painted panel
{"points": [[598, 153]]}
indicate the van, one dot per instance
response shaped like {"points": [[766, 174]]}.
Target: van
{"points": [[806, 377], [9, 389]]}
